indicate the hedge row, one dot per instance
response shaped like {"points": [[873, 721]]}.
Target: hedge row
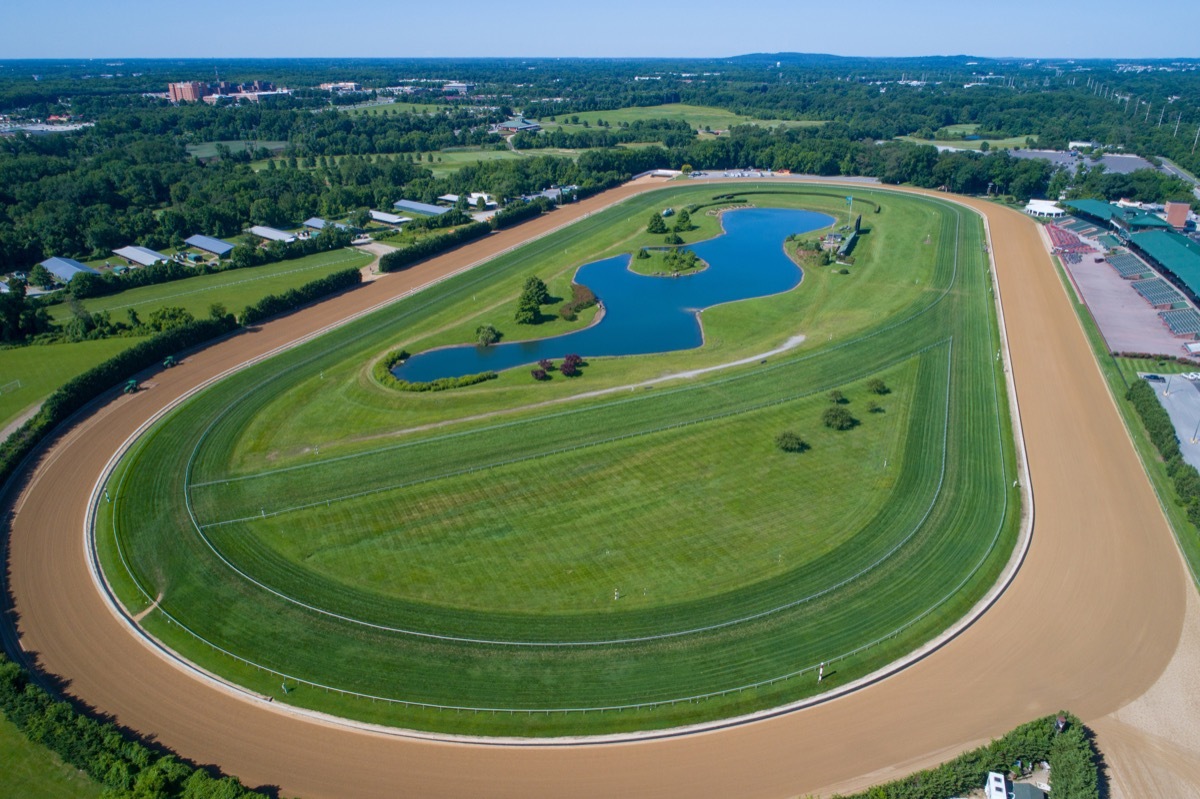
{"points": [[1072, 758], [79, 391], [124, 766], [1162, 434], [514, 214], [383, 373], [407, 256], [274, 304]]}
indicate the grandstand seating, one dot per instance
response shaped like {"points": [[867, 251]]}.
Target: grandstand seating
{"points": [[1129, 267], [1110, 241], [1068, 246], [1081, 226], [1159, 293], [1182, 322]]}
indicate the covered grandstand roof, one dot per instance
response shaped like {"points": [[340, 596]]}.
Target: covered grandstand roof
{"points": [[209, 244], [140, 255], [1095, 208], [66, 268], [1131, 218], [1178, 254], [420, 208]]}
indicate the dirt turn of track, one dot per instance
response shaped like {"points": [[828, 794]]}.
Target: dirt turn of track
{"points": [[1089, 623]]}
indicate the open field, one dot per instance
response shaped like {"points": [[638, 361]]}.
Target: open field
{"points": [[1117, 612], [30, 771], [1010, 143], [388, 109], [233, 288], [555, 520], [42, 369], [209, 149], [698, 116]]}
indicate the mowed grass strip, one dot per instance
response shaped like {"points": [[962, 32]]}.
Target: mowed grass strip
{"points": [[233, 288], [932, 578], [31, 771], [667, 518], [39, 370]]}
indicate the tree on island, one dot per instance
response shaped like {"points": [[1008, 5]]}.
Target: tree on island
{"points": [[683, 222], [529, 306], [486, 335]]}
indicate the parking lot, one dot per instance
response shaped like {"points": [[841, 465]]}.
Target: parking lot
{"points": [[1180, 395]]}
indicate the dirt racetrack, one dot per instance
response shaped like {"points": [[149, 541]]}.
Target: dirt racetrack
{"points": [[1090, 623]]}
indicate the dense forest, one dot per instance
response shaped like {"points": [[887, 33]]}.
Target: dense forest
{"points": [[130, 178]]}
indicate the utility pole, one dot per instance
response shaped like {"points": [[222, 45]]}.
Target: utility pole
{"points": [[1195, 140], [1160, 116], [1176, 133], [1147, 117]]}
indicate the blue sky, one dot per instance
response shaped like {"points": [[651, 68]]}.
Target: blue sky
{"points": [[616, 28]]}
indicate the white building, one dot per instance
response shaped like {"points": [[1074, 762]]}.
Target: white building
{"points": [[272, 234], [389, 219], [1044, 209]]}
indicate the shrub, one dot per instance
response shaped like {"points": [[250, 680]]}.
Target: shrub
{"points": [[790, 442], [539, 374], [1073, 772], [486, 335], [274, 304], [123, 765], [581, 298], [837, 417], [673, 239], [546, 363], [643, 254], [514, 214], [568, 369], [572, 360], [425, 248], [837, 397], [81, 390], [877, 386]]}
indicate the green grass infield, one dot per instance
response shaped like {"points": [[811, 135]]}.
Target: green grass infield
{"points": [[529, 558]]}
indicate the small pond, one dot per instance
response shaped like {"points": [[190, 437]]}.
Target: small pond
{"points": [[644, 314]]}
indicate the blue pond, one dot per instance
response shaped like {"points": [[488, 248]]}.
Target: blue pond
{"points": [[645, 314]]}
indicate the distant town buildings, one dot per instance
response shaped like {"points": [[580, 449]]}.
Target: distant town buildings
{"points": [[458, 88], [342, 87], [195, 91]]}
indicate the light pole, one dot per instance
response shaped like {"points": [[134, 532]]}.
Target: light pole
{"points": [[1167, 389]]}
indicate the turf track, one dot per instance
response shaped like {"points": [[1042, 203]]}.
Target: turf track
{"points": [[918, 562], [1089, 622]]}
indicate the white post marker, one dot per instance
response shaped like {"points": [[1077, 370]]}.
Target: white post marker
{"points": [[821, 672]]}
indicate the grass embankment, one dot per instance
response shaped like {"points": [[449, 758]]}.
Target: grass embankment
{"points": [[1119, 373], [639, 514], [30, 771]]}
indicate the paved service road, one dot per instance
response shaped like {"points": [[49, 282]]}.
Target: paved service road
{"points": [[1090, 622]]}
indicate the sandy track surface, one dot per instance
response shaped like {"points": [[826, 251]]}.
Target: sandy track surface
{"points": [[1090, 622]]}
